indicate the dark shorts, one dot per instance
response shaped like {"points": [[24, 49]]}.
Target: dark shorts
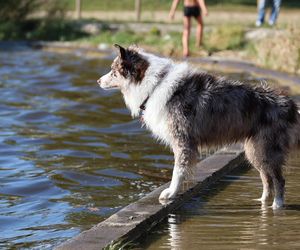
{"points": [[193, 11]]}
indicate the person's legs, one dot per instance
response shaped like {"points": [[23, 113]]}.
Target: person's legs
{"points": [[261, 12], [199, 32], [275, 11], [186, 35]]}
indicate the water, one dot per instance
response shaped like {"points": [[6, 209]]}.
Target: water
{"points": [[70, 154], [228, 218]]}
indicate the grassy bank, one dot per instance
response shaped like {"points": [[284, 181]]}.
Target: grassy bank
{"points": [[37, 29], [169, 43], [279, 50], [100, 5], [225, 35]]}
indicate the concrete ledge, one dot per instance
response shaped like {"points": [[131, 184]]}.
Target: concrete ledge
{"points": [[139, 217]]}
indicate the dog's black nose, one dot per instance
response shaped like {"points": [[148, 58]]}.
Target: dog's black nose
{"points": [[99, 81]]}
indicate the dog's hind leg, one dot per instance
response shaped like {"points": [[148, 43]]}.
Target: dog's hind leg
{"points": [[253, 154], [185, 159], [268, 158], [278, 183], [276, 148], [267, 187]]}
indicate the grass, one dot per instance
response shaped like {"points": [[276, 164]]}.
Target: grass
{"points": [[94, 5], [281, 52], [224, 37], [49, 30], [153, 39]]}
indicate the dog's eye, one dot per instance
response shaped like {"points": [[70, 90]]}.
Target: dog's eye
{"points": [[113, 73]]}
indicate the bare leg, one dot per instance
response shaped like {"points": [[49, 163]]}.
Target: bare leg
{"points": [[261, 154], [186, 35], [199, 32]]}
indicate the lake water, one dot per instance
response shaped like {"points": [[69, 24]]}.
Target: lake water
{"points": [[227, 218], [70, 154]]}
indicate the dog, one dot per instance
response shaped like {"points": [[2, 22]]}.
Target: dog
{"points": [[187, 109]]}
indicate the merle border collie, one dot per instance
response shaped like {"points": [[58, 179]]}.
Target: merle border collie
{"points": [[188, 109]]}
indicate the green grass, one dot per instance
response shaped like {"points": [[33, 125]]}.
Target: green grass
{"points": [[94, 5], [48, 30], [168, 43], [280, 53], [225, 37]]}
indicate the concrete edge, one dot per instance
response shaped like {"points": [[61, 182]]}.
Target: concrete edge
{"points": [[138, 218]]}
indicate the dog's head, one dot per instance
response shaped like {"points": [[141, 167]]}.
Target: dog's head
{"points": [[129, 67]]}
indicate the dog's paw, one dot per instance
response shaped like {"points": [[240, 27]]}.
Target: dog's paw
{"points": [[277, 204], [262, 200], [167, 194]]}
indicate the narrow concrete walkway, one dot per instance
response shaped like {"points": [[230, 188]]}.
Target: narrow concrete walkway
{"points": [[138, 218]]}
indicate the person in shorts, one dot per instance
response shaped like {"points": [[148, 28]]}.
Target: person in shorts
{"points": [[192, 9]]}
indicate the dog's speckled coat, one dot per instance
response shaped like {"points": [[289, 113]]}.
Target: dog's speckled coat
{"points": [[187, 109]]}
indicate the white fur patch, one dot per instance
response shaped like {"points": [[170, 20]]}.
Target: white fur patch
{"points": [[277, 203], [155, 115]]}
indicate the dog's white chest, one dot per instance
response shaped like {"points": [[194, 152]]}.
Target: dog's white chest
{"points": [[157, 122]]}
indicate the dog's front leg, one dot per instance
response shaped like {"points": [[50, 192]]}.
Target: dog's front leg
{"points": [[177, 179], [185, 159]]}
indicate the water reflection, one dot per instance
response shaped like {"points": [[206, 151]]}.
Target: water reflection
{"points": [[228, 217]]}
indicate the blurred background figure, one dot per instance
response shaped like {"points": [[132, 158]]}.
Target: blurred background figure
{"points": [[192, 8], [261, 6]]}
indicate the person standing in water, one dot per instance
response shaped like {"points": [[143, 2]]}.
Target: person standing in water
{"points": [[192, 8]]}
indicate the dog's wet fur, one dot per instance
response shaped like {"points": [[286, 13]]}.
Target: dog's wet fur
{"points": [[188, 109]]}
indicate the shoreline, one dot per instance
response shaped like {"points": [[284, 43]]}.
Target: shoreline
{"points": [[136, 219], [223, 65]]}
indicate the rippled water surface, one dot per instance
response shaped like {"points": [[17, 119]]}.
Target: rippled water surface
{"points": [[228, 218], [70, 154]]}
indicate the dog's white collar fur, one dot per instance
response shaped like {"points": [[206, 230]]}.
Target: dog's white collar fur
{"points": [[135, 95], [160, 78]]}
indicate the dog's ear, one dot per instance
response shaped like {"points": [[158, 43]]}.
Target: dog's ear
{"points": [[122, 51]]}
